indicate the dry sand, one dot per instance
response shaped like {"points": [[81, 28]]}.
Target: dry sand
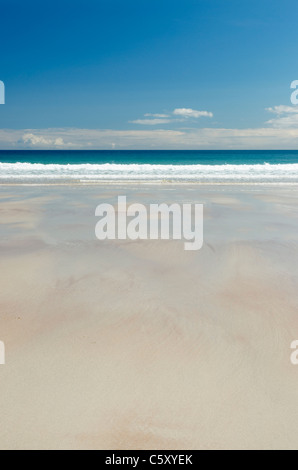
{"points": [[141, 345]]}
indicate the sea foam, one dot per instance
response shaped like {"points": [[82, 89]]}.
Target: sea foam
{"points": [[246, 173]]}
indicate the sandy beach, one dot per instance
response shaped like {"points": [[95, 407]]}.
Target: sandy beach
{"points": [[140, 344]]}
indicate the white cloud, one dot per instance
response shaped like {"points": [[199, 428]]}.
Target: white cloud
{"points": [[191, 113], [151, 122], [162, 116], [40, 141], [286, 117], [178, 115], [283, 109]]}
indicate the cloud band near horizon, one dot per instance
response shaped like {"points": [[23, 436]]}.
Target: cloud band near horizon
{"points": [[280, 132], [106, 139]]}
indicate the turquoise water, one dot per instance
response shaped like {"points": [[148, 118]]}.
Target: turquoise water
{"points": [[175, 157], [198, 166]]}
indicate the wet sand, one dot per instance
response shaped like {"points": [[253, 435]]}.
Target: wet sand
{"points": [[140, 344]]}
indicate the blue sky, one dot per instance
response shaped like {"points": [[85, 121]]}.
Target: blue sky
{"points": [[137, 68]]}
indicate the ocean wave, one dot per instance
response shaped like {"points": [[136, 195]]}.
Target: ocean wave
{"points": [[38, 172]]}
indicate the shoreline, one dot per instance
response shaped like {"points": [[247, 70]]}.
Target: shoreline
{"points": [[149, 183]]}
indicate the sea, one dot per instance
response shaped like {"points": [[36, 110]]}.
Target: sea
{"points": [[56, 167]]}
